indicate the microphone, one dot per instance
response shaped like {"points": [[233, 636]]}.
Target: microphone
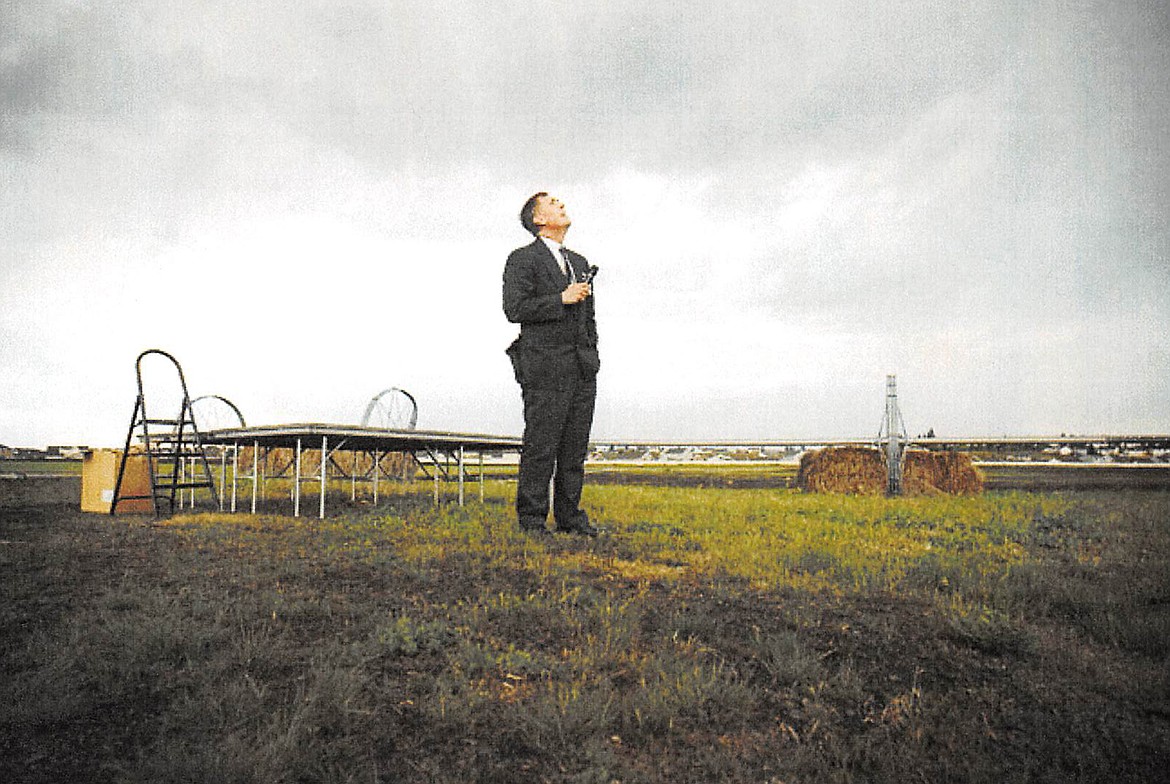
{"points": [[589, 273]]}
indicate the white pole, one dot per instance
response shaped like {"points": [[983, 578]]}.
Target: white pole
{"points": [[297, 482], [255, 471], [461, 474], [223, 476], [235, 473], [324, 462]]}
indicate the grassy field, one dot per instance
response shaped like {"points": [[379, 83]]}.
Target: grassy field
{"points": [[715, 634], [41, 467], [1038, 476]]}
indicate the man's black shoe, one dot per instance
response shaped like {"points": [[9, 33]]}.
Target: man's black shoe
{"points": [[582, 529], [535, 530]]}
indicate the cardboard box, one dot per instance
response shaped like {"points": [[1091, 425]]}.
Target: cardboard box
{"points": [[99, 473]]}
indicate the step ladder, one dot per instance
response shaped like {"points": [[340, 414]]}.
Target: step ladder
{"points": [[175, 455]]}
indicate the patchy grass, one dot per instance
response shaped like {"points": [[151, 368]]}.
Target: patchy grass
{"points": [[713, 635], [41, 467]]}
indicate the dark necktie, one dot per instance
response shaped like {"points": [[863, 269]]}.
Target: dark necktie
{"points": [[568, 266]]}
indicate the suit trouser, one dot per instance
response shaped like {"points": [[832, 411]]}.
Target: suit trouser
{"points": [[556, 441]]}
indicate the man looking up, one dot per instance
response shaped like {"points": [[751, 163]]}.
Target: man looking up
{"points": [[547, 292]]}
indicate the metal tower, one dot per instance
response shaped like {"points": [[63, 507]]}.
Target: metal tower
{"points": [[892, 439]]}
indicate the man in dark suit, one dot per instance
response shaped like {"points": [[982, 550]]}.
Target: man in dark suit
{"points": [[547, 291]]}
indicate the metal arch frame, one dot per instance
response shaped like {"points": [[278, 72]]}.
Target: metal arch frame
{"points": [[223, 455], [222, 399], [374, 401]]}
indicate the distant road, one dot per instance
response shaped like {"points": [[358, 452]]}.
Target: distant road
{"points": [[1105, 441]]}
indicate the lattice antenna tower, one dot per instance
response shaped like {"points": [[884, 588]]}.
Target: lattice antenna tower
{"points": [[892, 439]]}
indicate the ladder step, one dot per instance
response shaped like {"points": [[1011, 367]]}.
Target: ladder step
{"points": [[181, 485]]}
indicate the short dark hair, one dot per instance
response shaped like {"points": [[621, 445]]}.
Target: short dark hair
{"points": [[526, 214]]}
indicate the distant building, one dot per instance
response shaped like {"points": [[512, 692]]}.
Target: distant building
{"points": [[66, 452], [5, 452]]}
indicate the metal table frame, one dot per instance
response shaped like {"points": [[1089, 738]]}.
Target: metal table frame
{"points": [[445, 454]]}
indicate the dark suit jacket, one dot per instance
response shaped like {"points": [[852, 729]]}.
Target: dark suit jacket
{"points": [[557, 341]]}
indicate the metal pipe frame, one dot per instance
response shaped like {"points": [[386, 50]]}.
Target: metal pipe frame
{"points": [[438, 476], [441, 456]]}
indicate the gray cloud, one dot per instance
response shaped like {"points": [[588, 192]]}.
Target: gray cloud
{"points": [[998, 167]]}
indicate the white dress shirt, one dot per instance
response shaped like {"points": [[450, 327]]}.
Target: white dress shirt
{"points": [[556, 247]]}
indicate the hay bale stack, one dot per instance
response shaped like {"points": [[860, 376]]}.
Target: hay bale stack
{"points": [[941, 472], [862, 471], [845, 469], [395, 465]]}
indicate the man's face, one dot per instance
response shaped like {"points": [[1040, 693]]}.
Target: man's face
{"points": [[550, 212]]}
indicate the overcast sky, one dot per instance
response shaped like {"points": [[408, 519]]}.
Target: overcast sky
{"points": [[310, 202]]}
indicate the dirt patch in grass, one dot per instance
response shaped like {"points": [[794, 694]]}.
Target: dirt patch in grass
{"points": [[754, 477]]}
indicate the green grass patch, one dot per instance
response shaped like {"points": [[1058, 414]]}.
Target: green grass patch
{"points": [[41, 467]]}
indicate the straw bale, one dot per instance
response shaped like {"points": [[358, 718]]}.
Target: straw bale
{"points": [[847, 469], [941, 472], [862, 471], [395, 465]]}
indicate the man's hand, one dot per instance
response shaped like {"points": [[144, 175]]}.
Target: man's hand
{"points": [[575, 292]]}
